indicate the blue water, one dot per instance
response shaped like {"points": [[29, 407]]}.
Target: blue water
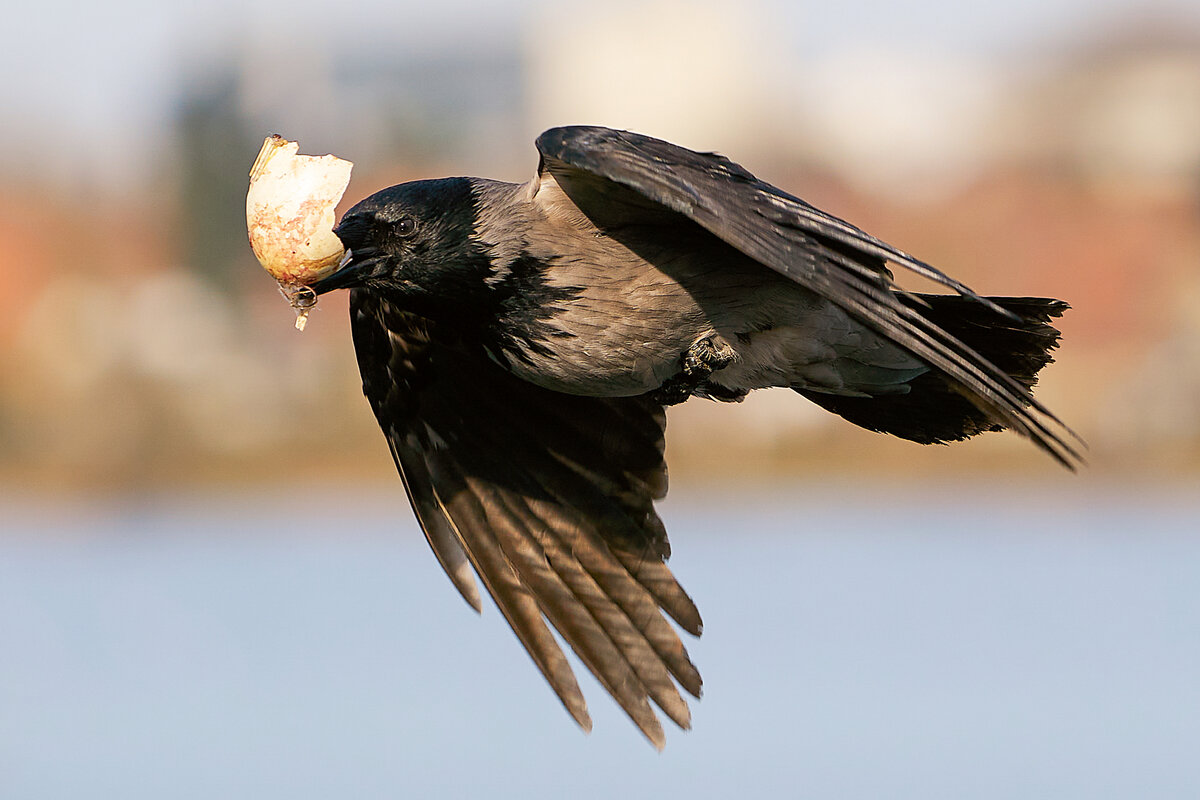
{"points": [[869, 644]]}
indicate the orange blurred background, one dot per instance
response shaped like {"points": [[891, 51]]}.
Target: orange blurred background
{"points": [[141, 346]]}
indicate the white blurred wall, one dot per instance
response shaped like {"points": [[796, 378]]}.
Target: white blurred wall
{"points": [[692, 72]]}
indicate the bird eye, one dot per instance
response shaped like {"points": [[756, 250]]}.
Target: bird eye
{"points": [[406, 226]]}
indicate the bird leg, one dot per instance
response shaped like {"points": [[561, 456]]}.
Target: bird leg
{"points": [[700, 361]]}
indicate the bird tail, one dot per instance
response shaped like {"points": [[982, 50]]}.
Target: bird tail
{"points": [[934, 409]]}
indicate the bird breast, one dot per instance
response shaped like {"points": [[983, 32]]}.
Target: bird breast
{"points": [[621, 333]]}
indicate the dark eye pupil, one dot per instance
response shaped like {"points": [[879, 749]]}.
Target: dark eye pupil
{"points": [[405, 226]]}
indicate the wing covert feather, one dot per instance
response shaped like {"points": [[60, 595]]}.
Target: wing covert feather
{"points": [[826, 254]]}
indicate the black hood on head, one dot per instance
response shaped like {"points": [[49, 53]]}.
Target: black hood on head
{"points": [[414, 236]]}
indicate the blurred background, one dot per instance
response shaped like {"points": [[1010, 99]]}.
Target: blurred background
{"points": [[209, 576]]}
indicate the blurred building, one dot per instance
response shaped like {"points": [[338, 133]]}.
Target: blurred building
{"points": [[1122, 112], [698, 73], [139, 342]]}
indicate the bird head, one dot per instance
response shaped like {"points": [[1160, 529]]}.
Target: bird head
{"points": [[412, 240]]}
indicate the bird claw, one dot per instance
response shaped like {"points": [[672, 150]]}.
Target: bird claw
{"points": [[700, 361], [715, 391]]}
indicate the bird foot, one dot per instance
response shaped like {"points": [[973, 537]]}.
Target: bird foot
{"points": [[700, 361], [707, 356]]}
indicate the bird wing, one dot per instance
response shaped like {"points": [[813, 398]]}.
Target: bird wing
{"points": [[611, 174], [549, 497]]}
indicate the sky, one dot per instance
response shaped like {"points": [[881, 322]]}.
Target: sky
{"points": [[99, 79]]}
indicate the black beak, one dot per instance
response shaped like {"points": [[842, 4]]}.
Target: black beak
{"points": [[346, 275], [352, 270], [359, 264]]}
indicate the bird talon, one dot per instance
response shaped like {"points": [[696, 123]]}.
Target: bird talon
{"points": [[699, 362], [707, 356], [723, 394]]}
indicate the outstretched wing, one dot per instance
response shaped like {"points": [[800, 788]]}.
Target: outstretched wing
{"points": [[597, 166], [549, 497]]}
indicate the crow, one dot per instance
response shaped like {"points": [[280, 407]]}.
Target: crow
{"points": [[518, 344]]}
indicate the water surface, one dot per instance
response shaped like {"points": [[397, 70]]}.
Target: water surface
{"points": [[868, 644]]}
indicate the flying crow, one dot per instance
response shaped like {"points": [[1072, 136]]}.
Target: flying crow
{"points": [[518, 344]]}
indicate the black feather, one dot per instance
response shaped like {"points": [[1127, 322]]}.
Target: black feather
{"points": [[935, 410]]}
